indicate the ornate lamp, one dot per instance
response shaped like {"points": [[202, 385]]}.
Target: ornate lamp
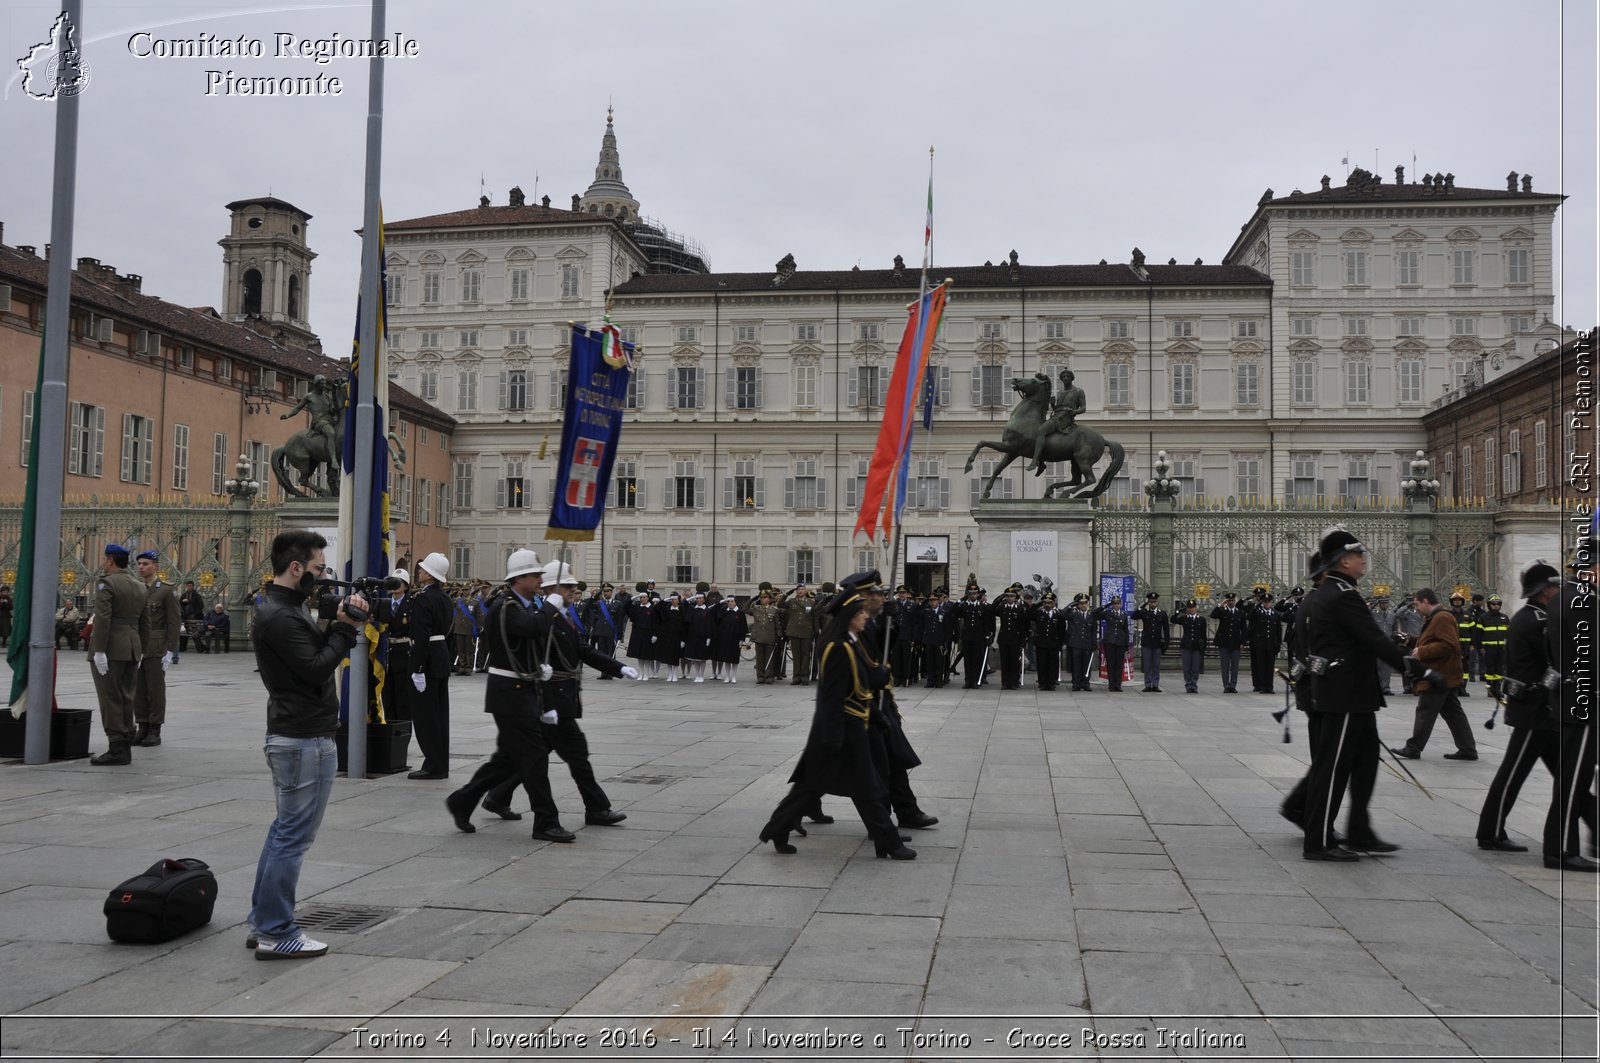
{"points": [[1162, 487], [241, 493], [1419, 487]]}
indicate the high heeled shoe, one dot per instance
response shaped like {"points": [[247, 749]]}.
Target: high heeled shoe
{"points": [[895, 850], [779, 840]]}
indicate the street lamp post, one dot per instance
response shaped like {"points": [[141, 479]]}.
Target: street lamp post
{"points": [[241, 493]]}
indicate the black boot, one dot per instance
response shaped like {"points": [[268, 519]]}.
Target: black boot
{"points": [[118, 754], [139, 732], [152, 735], [894, 849]]}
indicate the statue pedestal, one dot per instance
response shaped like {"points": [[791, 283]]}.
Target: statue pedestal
{"points": [[1020, 539], [318, 514]]}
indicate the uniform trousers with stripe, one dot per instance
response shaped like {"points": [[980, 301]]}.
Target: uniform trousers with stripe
{"points": [[1344, 753], [1572, 801], [1524, 749]]}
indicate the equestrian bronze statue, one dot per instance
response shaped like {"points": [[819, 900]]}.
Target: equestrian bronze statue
{"points": [[1032, 432]]}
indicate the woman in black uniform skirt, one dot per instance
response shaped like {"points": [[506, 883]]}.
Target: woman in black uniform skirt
{"points": [[838, 757], [670, 625]]}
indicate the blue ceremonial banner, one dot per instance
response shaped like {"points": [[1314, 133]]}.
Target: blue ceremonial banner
{"points": [[1125, 587], [597, 397]]}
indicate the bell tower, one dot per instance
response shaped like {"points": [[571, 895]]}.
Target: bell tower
{"points": [[266, 266], [608, 196]]}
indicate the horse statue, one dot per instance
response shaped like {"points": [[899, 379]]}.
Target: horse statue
{"points": [[303, 453], [1082, 446]]}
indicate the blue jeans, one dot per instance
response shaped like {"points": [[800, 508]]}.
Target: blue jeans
{"points": [[302, 780]]}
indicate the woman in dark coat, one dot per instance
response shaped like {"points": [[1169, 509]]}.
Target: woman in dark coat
{"points": [[697, 637], [838, 757], [641, 635], [730, 627], [670, 622]]}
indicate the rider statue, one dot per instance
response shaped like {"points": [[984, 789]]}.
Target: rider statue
{"points": [[1064, 407], [326, 406]]}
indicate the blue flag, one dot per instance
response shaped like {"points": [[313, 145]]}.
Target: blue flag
{"points": [[597, 396]]}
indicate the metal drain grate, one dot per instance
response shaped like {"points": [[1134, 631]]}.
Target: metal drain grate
{"points": [[647, 780], [759, 726], [342, 919]]}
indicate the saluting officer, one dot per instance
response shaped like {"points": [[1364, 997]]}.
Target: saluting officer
{"points": [[1191, 644], [1343, 646], [432, 616], [1232, 633], [976, 618], [937, 620], [1012, 615], [1082, 633], [1114, 640], [160, 650], [1049, 635], [116, 643], [1262, 622], [1155, 632]]}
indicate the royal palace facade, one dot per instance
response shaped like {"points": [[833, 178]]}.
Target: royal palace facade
{"points": [[1299, 365]]}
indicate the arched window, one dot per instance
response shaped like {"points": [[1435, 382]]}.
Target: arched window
{"points": [[294, 296], [251, 303]]}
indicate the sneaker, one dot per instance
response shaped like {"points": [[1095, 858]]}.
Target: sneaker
{"points": [[298, 947]]}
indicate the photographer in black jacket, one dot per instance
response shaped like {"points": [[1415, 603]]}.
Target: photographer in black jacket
{"points": [[297, 662]]}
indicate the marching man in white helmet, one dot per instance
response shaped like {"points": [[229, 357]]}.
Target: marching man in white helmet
{"points": [[431, 620], [559, 645]]}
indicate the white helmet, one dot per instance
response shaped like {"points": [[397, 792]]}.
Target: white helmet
{"points": [[402, 575], [437, 566], [522, 563], [555, 573]]}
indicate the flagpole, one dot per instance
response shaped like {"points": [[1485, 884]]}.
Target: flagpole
{"points": [[52, 421], [371, 300], [916, 354]]}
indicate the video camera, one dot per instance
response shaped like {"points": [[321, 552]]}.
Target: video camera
{"points": [[330, 601]]}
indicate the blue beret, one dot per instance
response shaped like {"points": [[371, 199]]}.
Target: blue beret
{"points": [[150, 554], [116, 550]]}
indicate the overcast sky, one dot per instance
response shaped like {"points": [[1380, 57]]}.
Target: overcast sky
{"points": [[1068, 130]]}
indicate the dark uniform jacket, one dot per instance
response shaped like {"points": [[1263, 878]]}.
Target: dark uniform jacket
{"points": [[298, 664], [510, 631], [1049, 628], [1262, 624], [1570, 634], [396, 612], [838, 757], [1527, 657], [432, 614], [1232, 631], [1340, 628], [1193, 627], [1116, 621], [557, 643], [1155, 627], [937, 620], [977, 621], [1013, 619], [1083, 631]]}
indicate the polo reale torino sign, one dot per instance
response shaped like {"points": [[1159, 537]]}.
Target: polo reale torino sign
{"points": [[1033, 558]]}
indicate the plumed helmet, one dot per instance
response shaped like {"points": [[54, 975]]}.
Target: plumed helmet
{"points": [[1538, 576], [1336, 543]]}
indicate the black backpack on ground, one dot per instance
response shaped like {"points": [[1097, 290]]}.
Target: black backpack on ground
{"points": [[171, 898]]}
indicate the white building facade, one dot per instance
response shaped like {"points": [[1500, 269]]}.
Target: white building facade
{"points": [[1300, 365]]}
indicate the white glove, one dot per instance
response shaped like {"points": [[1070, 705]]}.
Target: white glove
{"points": [[652, 640], [548, 717], [419, 681], [166, 660], [629, 673], [101, 665], [545, 672]]}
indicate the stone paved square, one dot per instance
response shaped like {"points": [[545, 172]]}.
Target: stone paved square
{"points": [[1104, 862]]}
